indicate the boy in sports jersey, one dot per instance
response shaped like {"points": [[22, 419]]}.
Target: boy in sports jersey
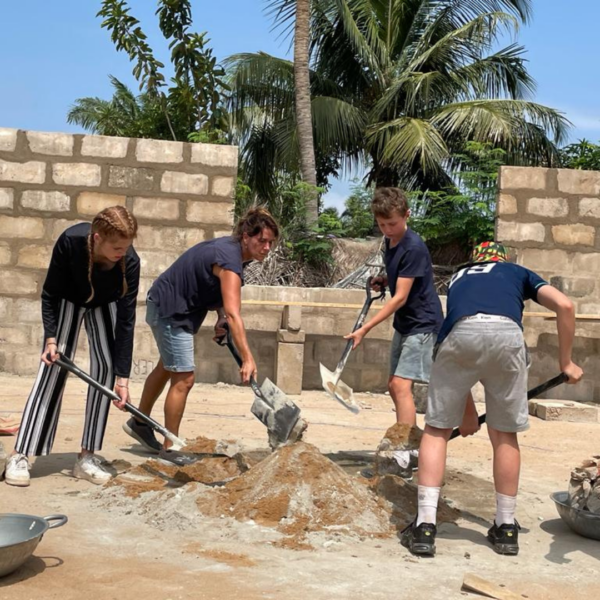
{"points": [[482, 340]]}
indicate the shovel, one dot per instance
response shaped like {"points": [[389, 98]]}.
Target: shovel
{"points": [[271, 406], [70, 366], [532, 393], [337, 389]]}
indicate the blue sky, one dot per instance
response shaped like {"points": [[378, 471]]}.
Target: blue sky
{"points": [[53, 51]]}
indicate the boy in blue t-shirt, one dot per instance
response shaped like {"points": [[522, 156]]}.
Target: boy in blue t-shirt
{"points": [[414, 303], [482, 340]]}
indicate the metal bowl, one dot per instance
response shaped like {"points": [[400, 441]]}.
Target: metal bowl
{"points": [[580, 521]]}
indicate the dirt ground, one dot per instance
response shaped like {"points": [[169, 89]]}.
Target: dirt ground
{"points": [[117, 548]]}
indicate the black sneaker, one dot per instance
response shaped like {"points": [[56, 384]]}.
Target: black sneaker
{"points": [[505, 538], [419, 540], [144, 434], [173, 457]]}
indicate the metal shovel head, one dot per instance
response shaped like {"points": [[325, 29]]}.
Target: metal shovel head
{"points": [[279, 414], [338, 390]]}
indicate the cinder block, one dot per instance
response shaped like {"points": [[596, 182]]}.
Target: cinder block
{"points": [[548, 207], [159, 209], [8, 139], [34, 257], [56, 226], [589, 207], [5, 253], [513, 231], [28, 311], [586, 263], [104, 146], [21, 227], [579, 287], [291, 337], [291, 319], [80, 174], [176, 239], [516, 178], [214, 155], [154, 263], [184, 183], [289, 367], [14, 336], [574, 235], [222, 233], [131, 178], [159, 151], [209, 213], [91, 203], [49, 201], [6, 305], [574, 181], [565, 410], [545, 260], [18, 282], [7, 198], [223, 186], [28, 172], [507, 205], [57, 144]]}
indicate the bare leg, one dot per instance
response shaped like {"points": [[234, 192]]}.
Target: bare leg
{"points": [[153, 387], [181, 384], [401, 393], [507, 461], [432, 456]]}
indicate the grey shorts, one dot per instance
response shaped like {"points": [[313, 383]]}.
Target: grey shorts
{"points": [[411, 356], [491, 352]]}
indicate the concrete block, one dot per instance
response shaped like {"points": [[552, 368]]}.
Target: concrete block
{"points": [[291, 337], [159, 209], [7, 198], [5, 253], [214, 155], [154, 263], [579, 287], [55, 227], [572, 181], [159, 151], [28, 172], [193, 236], [52, 143], [223, 186], [288, 368], [291, 319], [513, 231], [548, 207], [222, 233], [566, 410], [507, 205], [176, 239], [6, 305], [80, 174], [574, 235], [28, 311], [49, 201], [133, 178], [184, 183], [21, 227], [91, 203], [14, 336], [34, 257], [529, 178], [104, 146], [8, 139], [586, 263], [370, 379], [545, 260], [17, 283], [209, 213], [589, 207]]}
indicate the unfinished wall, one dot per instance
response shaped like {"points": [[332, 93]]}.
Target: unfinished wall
{"points": [[550, 219]]}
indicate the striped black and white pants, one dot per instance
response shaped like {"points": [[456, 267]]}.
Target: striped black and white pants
{"points": [[40, 418]]}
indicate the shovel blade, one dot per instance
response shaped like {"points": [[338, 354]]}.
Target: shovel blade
{"points": [[338, 390]]}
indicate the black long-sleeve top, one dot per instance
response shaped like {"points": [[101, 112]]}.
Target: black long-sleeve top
{"points": [[67, 279]]}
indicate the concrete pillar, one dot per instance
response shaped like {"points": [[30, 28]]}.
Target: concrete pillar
{"points": [[289, 362]]}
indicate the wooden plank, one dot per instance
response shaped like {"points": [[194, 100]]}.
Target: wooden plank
{"points": [[479, 585]]}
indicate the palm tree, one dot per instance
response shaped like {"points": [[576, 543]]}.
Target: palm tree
{"points": [[399, 86]]}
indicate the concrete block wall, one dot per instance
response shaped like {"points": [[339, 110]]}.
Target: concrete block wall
{"points": [[550, 220]]}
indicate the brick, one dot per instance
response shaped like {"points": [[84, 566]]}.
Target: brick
{"points": [[160, 209], [21, 227], [5, 253], [214, 155], [34, 257], [574, 235], [7, 198], [209, 213], [573, 181], [184, 183], [131, 177], [586, 263], [177, 239], [91, 203], [104, 146], [56, 226], [56, 144], [513, 231], [28, 172], [14, 336], [80, 174], [516, 178], [222, 233], [288, 368], [159, 151], [155, 262], [193, 236], [589, 207], [578, 287], [28, 311], [8, 139], [291, 337], [291, 318], [223, 186], [589, 308], [507, 205], [49, 201], [565, 410], [548, 207], [544, 260], [18, 282], [5, 307]]}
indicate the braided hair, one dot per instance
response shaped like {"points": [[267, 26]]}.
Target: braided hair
{"points": [[112, 222]]}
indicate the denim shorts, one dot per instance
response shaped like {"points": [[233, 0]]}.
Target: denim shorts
{"points": [[175, 345], [411, 356]]}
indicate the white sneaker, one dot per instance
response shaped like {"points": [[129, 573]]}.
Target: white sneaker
{"points": [[89, 467], [17, 470]]}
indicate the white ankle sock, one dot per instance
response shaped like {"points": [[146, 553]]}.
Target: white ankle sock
{"points": [[505, 509], [428, 502]]}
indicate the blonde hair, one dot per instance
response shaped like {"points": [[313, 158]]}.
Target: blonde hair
{"points": [[112, 222]]}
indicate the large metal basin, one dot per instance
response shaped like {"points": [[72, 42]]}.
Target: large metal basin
{"points": [[580, 521]]}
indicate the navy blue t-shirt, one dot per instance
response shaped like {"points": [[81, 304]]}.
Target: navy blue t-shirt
{"points": [[493, 288], [410, 258], [188, 288]]}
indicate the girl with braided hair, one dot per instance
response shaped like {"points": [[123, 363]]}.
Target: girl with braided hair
{"points": [[93, 278]]}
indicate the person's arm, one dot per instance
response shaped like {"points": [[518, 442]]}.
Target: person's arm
{"points": [[219, 325], [554, 300]]}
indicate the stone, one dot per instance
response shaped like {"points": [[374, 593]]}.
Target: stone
{"points": [[104, 146], [545, 260], [34, 257], [91, 203], [7, 198], [577, 287], [574, 235], [80, 174], [514, 231], [159, 209], [18, 283], [5, 253], [288, 367], [175, 182], [291, 318], [223, 186], [574, 181], [566, 410], [548, 207], [49, 201], [8, 139], [291, 337], [52, 143], [159, 151], [507, 205], [586, 263], [21, 227], [215, 155], [209, 213], [28, 172], [420, 391], [589, 207], [517, 178], [133, 178]]}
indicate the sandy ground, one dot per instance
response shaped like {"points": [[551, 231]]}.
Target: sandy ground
{"points": [[111, 550]]}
